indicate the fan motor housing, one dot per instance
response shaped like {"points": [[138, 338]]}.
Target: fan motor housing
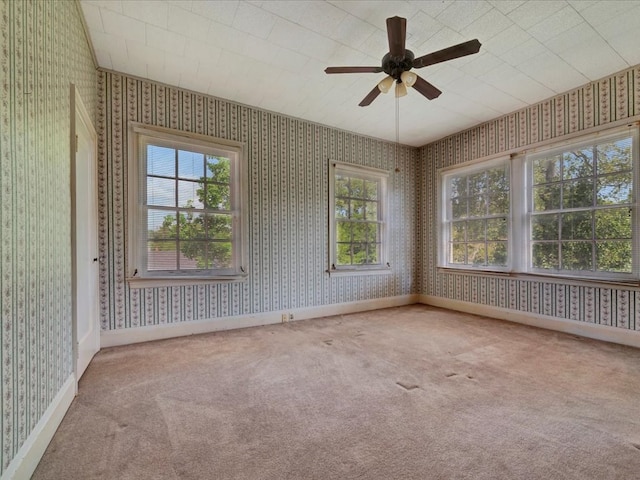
{"points": [[394, 66]]}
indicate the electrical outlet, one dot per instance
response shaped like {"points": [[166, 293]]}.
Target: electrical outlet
{"points": [[291, 316]]}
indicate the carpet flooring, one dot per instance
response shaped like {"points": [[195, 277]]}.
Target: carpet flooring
{"points": [[404, 393]]}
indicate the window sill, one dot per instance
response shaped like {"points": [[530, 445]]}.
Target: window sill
{"points": [[545, 277], [357, 272], [146, 282]]}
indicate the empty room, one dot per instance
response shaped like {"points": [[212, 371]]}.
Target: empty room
{"points": [[319, 239]]}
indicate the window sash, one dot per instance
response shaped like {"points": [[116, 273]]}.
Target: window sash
{"points": [[365, 243], [561, 255], [470, 187]]}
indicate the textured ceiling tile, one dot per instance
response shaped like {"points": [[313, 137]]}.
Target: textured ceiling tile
{"points": [[376, 12], [488, 26], [124, 65], [221, 12], [432, 9], [142, 53], [626, 45], [103, 58], [109, 43], [506, 6], [377, 45], [353, 31], [524, 88], [580, 5], [534, 11], [253, 20], [576, 35], [286, 9], [421, 27], [494, 98], [114, 5], [226, 37], [524, 52], [201, 51], [506, 40], [557, 24], [171, 42], [594, 59], [92, 17], [122, 26], [194, 82], [460, 14], [188, 24], [602, 12], [151, 12], [481, 64], [628, 21], [553, 72], [321, 17], [186, 4], [444, 38], [160, 73]]}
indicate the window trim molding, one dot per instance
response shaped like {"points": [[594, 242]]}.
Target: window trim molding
{"points": [[361, 171], [134, 210]]}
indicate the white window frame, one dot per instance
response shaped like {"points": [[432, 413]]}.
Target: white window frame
{"points": [[139, 276], [521, 203], [365, 173], [580, 143], [446, 217]]}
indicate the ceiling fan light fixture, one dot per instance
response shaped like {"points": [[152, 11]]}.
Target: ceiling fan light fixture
{"points": [[385, 84], [408, 78], [401, 89]]}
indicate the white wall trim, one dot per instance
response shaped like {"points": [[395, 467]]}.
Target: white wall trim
{"points": [[589, 330], [112, 338], [26, 460]]}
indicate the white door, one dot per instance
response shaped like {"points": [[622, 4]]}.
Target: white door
{"points": [[87, 326]]}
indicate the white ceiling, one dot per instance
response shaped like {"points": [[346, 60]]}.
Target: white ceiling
{"points": [[272, 54]]}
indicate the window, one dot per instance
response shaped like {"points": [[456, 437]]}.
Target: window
{"points": [[567, 210], [476, 216], [581, 208], [186, 219], [358, 227]]}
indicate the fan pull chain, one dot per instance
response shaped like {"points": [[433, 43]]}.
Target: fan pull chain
{"points": [[397, 132]]}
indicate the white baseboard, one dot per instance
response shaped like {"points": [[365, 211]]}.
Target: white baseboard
{"points": [[26, 460], [112, 338], [589, 330]]}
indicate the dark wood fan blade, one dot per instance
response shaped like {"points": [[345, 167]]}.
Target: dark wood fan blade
{"points": [[426, 89], [353, 70], [397, 33], [456, 51], [371, 96]]}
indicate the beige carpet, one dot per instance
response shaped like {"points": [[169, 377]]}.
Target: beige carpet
{"points": [[404, 393]]}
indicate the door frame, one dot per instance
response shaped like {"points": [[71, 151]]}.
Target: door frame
{"points": [[78, 108]]}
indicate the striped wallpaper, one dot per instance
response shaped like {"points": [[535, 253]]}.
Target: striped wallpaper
{"points": [[613, 98], [288, 207], [42, 50]]}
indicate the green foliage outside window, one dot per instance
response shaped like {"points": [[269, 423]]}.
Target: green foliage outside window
{"points": [[357, 221], [581, 219], [479, 204], [196, 232]]}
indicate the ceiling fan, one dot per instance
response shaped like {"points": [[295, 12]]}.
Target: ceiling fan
{"points": [[397, 64]]}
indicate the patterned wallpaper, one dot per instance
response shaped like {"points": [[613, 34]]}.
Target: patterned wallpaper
{"points": [[288, 207], [613, 98], [42, 50]]}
